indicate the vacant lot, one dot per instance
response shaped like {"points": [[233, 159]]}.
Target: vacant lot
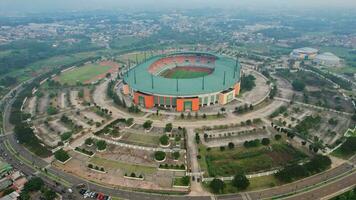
{"points": [[248, 160], [82, 74]]}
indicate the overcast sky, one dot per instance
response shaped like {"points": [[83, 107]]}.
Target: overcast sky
{"points": [[55, 5]]}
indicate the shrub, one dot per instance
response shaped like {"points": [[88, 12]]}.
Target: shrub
{"points": [[160, 155], [65, 136], [231, 145], [90, 165], [176, 155], [277, 137], [222, 148], [265, 141], [252, 143], [133, 174]]}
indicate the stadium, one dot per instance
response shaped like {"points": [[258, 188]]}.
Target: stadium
{"points": [[184, 81]]}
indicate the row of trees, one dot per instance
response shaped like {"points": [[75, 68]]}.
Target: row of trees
{"points": [[36, 184], [240, 181]]}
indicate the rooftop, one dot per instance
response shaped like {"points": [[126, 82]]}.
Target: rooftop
{"points": [[226, 73]]}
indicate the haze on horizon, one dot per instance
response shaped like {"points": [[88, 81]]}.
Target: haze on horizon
{"points": [[31, 6]]}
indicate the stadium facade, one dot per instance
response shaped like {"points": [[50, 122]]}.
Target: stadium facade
{"points": [[304, 53], [183, 81]]}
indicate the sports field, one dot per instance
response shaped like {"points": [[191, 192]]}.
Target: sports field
{"points": [[82, 74], [186, 72]]}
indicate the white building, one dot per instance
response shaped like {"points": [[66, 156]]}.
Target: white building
{"points": [[327, 59]]}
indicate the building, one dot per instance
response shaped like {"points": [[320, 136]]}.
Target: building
{"points": [[184, 81], [11, 196], [304, 53], [327, 59]]}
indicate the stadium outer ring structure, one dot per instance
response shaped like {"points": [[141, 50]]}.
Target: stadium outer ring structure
{"points": [[148, 89]]}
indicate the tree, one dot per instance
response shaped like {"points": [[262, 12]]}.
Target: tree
{"points": [[240, 181], [217, 185], [164, 140], [277, 137], [176, 155], [101, 145], [353, 117], [231, 145], [247, 82], [129, 121], [265, 141], [34, 184], [185, 180], [160, 155], [168, 127], [89, 141], [147, 124], [61, 155], [49, 194], [197, 138], [298, 85]]}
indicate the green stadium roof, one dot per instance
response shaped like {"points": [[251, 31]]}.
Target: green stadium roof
{"points": [[214, 82]]}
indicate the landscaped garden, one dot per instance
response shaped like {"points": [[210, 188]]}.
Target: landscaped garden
{"points": [[255, 158]]}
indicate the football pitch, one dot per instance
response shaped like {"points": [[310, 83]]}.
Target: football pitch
{"points": [[183, 74]]}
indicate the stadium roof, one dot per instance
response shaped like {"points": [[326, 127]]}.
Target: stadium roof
{"points": [[327, 56], [141, 80], [306, 50]]}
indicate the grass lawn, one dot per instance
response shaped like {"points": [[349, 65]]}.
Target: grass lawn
{"points": [[142, 139], [347, 149], [255, 184], [179, 181], [247, 160], [82, 74], [341, 70], [126, 167]]}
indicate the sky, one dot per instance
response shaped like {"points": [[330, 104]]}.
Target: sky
{"points": [[8, 6]]}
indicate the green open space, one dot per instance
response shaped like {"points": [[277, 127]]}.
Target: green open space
{"points": [[82, 74], [247, 160], [50, 63], [126, 167], [347, 149], [141, 139]]}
